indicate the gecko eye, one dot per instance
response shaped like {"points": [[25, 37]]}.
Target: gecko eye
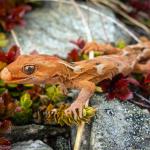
{"points": [[28, 69]]}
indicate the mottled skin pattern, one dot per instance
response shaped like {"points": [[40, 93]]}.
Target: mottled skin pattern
{"points": [[82, 75]]}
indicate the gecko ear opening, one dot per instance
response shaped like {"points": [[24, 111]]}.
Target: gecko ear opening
{"points": [[29, 69]]}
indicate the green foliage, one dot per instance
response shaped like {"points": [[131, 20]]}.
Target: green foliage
{"points": [[2, 87], [121, 44], [54, 93], [24, 116], [85, 56], [12, 85], [3, 40], [25, 101]]}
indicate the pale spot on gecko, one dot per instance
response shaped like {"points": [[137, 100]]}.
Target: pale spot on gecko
{"points": [[100, 68]]}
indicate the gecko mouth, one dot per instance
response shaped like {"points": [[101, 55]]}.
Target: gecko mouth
{"points": [[19, 80], [7, 77]]}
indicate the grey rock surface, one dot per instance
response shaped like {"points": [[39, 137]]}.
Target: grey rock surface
{"points": [[119, 126], [33, 131], [62, 144], [50, 28], [31, 145]]}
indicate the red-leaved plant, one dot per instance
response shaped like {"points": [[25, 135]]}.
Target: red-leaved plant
{"points": [[12, 13], [74, 54], [11, 55], [118, 87]]}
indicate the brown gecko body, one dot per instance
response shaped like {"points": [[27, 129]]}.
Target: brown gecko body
{"points": [[83, 75]]}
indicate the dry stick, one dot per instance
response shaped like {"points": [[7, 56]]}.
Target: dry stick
{"points": [[16, 39], [87, 30], [81, 127], [120, 25], [119, 11], [114, 21], [103, 26], [122, 5]]}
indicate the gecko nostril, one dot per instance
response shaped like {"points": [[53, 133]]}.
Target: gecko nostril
{"points": [[5, 75]]}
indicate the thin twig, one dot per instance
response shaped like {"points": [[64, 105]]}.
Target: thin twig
{"points": [[115, 22], [122, 5], [86, 27], [142, 98], [103, 26], [122, 13], [79, 11], [16, 39], [106, 16], [79, 135]]}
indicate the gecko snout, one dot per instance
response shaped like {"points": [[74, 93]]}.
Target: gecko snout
{"points": [[5, 75]]}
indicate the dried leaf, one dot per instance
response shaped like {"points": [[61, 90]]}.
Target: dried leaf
{"points": [[5, 144], [5, 127]]}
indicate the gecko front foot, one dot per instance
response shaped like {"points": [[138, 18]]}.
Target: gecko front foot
{"points": [[76, 109]]}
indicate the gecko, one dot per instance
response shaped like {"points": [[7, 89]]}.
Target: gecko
{"points": [[83, 75]]}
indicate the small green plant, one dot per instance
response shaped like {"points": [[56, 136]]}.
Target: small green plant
{"points": [[58, 115], [54, 93], [121, 44], [3, 39], [23, 114]]}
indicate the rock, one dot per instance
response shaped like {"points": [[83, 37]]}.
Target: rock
{"points": [[50, 28], [119, 126], [31, 145], [62, 144], [34, 132]]}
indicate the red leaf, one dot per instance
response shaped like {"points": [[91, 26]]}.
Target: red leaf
{"points": [[121, 91], [16, 17], [125, 94], [12, 13], [105, 85], [121, 83], [73, 55], [147, 79], [5, 127], [80, 43], [118, 87], [140, 5], [12, 54], [3, 57], [4, 144]]}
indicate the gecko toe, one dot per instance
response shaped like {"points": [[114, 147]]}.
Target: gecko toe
{"points": [[80, 113]]}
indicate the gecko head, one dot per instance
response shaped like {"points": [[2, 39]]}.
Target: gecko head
{"points": [[30, 69]]}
